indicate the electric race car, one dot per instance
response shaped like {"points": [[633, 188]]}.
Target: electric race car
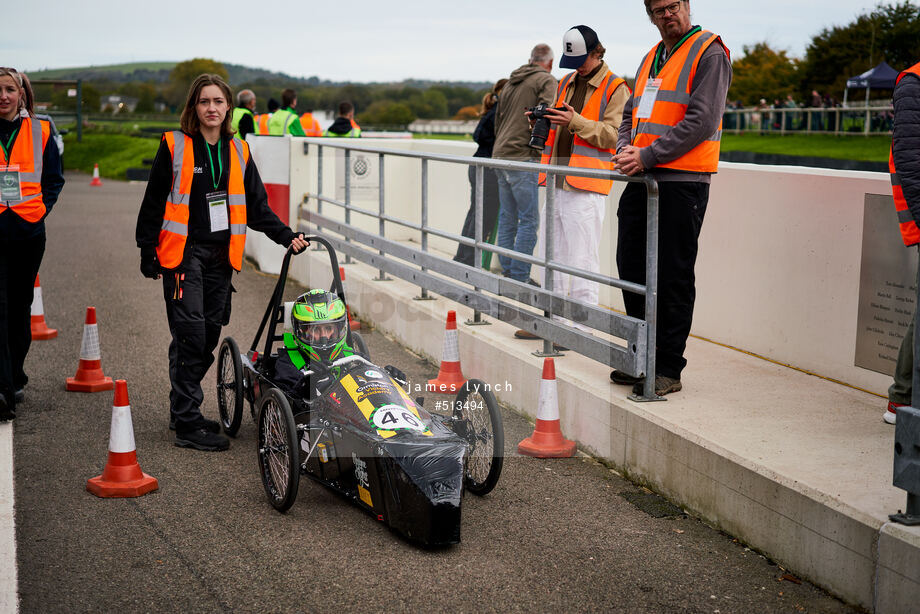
{"points": [[362, 435]]}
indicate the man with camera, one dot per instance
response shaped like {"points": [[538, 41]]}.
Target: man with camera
{"points": [[518, 216], [585, 121], [672, 125]]}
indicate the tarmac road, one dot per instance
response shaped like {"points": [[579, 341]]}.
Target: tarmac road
{"points": [[554, 535]]}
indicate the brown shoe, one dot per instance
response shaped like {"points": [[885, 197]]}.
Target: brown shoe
{"points": [[663, 385], [525, 334]]}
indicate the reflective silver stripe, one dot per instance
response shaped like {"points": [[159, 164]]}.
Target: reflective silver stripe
{"points": [[904, 217], [548, 149], [651, 128], [716, 136], [175, 227], [684, 80], [895, 180], [178, 155], [31, 177], [562, 85], [37, 153], [634, 133], [590, 152], [236, 199], [672, 96], [237, 229], [604, 98]]}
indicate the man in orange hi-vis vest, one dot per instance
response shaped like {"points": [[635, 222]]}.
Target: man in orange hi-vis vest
{"points": [[904, 164], [672, 125], [585, 121]]}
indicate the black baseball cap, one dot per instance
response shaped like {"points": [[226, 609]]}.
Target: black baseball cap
{"points": [[577, 43]]}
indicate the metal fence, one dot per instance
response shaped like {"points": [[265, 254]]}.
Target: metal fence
{"points": [[837, 121], [502, 298]]}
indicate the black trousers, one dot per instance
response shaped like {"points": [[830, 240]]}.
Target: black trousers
{"points": [[682, 206], [19, 263], [197, 295], [489, 212]]}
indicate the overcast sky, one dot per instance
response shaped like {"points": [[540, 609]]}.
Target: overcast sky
{"points": [[364, 40]]}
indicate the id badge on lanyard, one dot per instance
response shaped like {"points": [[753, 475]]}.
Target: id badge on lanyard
{"points": [[10, 183], [217, 209], [649, 95]]}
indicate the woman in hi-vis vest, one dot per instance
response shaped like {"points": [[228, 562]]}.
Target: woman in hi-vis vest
{"points": [[30, 182], [204, 190]]}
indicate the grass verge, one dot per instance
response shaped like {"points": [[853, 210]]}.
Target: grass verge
{"points": [[870, 149], [114, 153]]}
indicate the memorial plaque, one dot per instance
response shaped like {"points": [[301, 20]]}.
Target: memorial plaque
{"points": [[887, 287], [364, 176]]}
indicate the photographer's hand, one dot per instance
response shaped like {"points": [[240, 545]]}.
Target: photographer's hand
{"points": [[561, 117]]}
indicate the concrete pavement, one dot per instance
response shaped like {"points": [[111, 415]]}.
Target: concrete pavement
{"points": [[562, 535]]}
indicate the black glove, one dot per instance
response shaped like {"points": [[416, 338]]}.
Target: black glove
{"points": [[150, 266]]}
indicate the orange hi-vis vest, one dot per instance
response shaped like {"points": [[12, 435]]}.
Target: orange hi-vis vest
{"points": [[27, 153], [174, 232], [262, 125], [310, 125], [910, 233], [676, 80], [585, 155]]}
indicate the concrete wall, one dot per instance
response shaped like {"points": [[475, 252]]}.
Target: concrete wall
{"points": [[779, 263]]}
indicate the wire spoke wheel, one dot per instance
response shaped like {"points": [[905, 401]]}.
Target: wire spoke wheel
{"points": [[230, 386], [477, 419], [359, 345], [278, 452]]}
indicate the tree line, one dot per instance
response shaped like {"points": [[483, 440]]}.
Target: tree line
{"points": [[890, 33]]}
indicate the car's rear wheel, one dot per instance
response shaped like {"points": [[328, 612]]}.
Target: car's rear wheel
{"points": [[359, 345], [278, 453], [230, 386], [477, 419]]}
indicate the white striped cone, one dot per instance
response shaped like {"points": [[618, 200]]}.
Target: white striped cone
{"points": [[96, 180], [450, 376], [40, 330], [547, 440], [122, 476], [353, 323], [89, 377]]}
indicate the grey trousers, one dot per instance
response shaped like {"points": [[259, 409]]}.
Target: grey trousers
{"points": [[900, 390]]}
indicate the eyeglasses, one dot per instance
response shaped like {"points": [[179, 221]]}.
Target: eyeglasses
{"points": [[672, 8]]}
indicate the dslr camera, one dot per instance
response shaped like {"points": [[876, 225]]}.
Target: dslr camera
{"points": [[541, 125]]}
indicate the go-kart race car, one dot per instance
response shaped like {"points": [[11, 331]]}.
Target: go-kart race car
{"points": [[362, 436]]}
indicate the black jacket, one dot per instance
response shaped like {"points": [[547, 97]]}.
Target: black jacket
{"points": [[341, 125], [905, 141], [484, 135], [258, 214], [11, 225]]}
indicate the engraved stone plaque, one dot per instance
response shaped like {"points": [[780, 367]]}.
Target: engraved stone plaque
{"points": [[887, 287]]}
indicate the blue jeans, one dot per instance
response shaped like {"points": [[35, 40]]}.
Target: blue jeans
{"points": [[518, 219]]}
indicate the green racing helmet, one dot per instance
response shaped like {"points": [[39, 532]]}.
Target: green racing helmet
{"points": [[320, 323]]}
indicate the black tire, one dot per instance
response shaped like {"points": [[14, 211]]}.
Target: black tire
{"points": [[358, 345], [477, 419], [279, 456], [230, 386]]}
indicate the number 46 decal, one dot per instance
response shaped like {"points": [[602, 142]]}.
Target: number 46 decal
{"points": [[392, 417]]}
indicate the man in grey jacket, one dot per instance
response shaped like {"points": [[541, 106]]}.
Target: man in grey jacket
{"points": [[671, 129], [518, 216]]}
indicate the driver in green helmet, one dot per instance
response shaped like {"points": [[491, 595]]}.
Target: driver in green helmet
{"points": [[320, 332]]}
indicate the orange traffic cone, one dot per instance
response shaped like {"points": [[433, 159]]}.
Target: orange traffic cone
{"points": [[122, 475], [89, 377], [450, 376], [96, 180], [40, 329], [352, 321], [547, 440]]}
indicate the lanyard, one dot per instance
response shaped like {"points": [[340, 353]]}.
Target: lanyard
{"points": [[657, 64], [220, 162], [7, 147]]}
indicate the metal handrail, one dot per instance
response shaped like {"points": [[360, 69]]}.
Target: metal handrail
{"points": [[502, 298], [806, 120]]}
